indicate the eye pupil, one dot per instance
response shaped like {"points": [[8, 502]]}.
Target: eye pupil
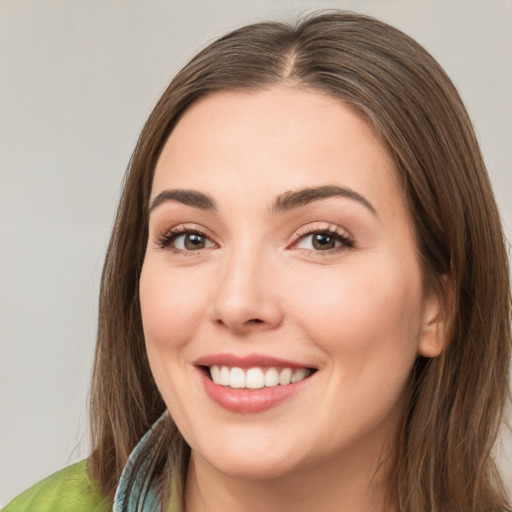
{"points": [[323, 242], [194, 241]]}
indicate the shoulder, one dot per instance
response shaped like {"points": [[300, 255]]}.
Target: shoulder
{"points": [[70, 489]]}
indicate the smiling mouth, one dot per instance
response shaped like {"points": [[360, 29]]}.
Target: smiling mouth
{"points": [[256, 377]]}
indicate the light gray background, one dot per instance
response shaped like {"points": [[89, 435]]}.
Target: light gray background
{"points": [[78, 79]]}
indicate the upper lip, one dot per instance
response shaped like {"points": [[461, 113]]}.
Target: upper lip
{"points": [[247, 361]]}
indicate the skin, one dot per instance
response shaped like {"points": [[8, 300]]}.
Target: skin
{"points": [[356, 313]]}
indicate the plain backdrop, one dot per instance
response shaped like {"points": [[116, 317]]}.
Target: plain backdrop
{"points": [[77, 80]]}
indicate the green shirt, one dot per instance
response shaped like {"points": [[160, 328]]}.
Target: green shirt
{"points": [[70, 489], [73, 490]]}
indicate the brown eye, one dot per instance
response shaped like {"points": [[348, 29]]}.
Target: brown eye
{"points": [[186, 241], [194, 241], [326, 241], [323, 242]]}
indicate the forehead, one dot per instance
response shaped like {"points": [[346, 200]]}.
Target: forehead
{"points": [[273, 140]]}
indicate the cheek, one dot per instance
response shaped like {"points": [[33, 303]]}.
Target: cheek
{"points": [[172, 306], [366, 315]]}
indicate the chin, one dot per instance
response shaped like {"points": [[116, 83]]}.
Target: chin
{"points": [[253, 470], [237, 463]]}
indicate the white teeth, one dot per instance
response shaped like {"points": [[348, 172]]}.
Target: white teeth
{"points": [[256, 378], [224, 376], [215, 373], [236, 378], [285, 377], [299, 375], [271, 378]]}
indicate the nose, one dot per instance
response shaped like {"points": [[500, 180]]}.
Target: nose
{"points": [[246, 299]]}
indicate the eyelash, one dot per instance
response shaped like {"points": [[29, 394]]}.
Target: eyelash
{"points": [[168, 237], [346, 242]]}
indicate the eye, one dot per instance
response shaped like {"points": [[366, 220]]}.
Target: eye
{"points": [[323, 240], [185, 240], [192, 242]]}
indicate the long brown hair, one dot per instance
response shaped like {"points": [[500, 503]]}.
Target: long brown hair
{"points": [[443, 459]]}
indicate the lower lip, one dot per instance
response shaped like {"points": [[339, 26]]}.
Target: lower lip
{"points": [[250, 400]]}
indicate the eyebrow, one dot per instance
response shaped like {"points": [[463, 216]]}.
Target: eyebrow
{"points": [[283, 202], [294, 199], [188, 197]]}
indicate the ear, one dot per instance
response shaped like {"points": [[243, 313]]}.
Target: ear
{"points": [[437, 319]]}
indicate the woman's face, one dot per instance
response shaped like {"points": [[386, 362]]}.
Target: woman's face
{"points": [[281, 263]]}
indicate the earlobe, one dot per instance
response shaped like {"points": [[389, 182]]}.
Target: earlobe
{"points": [[437, 319]]}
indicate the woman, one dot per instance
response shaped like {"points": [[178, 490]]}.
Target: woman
{"points": [[305, 302]]}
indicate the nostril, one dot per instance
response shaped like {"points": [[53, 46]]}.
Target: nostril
{"points": [[245, 324]]}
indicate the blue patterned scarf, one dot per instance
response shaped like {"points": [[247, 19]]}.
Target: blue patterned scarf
{"points": [[136, 492]]}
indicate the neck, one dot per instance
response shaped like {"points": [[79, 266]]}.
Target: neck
{"points": [[356, 486]]}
